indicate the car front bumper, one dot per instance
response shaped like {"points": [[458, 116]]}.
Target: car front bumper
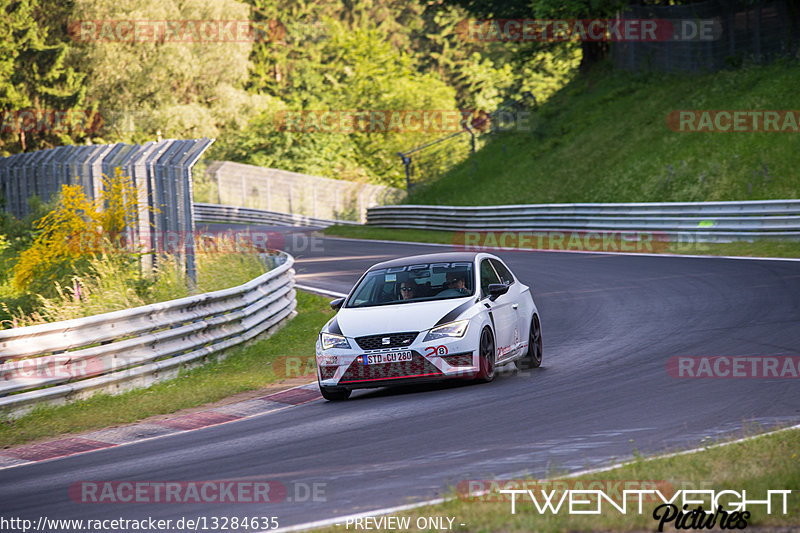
{"points": [[438, 359]]}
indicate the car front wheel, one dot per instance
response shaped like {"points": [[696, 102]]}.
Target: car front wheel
{"points": [[532, 359], [486, 356]]}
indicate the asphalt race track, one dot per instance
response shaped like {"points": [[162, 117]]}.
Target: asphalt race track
{"points": [[610, 323]]}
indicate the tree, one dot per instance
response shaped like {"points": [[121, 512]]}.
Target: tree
{"points": [[179, 84], [591, 51], [74, 231], [327, 63], [42, 98]]}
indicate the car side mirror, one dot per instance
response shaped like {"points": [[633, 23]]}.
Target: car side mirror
{"points": [[497, 289], [337, 303]]}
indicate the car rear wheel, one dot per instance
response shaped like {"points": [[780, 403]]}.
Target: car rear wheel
{"points": [[532, 359], [486, 356], [333, 394]]}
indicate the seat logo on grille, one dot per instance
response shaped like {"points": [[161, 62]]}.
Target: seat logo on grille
{"points": [[386, 340]]}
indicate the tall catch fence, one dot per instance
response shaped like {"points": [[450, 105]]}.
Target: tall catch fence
{"points": [[737, 31], [281, 191], [426, 163], [161, 172]]}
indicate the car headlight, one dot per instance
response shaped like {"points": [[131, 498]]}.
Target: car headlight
{"points": [[453, 329], [331, 340]]}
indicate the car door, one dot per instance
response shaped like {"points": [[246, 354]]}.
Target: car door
{"points": [[503, 313], [513, 296]]}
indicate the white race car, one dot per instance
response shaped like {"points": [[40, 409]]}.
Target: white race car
{"points": [[428, 317]]}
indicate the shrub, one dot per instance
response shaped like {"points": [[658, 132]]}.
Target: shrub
{"points": [[73, 233]]}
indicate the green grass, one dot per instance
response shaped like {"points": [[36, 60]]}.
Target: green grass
{"points": [[770, 462], [604, 138], [288, 353], [763, 248], [115, 281]]}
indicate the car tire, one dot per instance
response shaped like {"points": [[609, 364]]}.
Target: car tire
{"points": [[333, 394], [486, 356], [533, 357]]}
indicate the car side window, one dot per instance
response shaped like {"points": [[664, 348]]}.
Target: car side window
{"points": [[505, 275], [488, 276]]}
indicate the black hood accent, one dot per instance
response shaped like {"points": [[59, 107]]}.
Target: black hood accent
{"points": [[452, 315], [334, 327]]}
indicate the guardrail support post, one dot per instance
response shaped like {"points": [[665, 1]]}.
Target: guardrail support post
{"points": [[471, 138], [406, 163]]}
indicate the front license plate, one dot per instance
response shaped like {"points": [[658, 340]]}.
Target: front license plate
{"points": [[387, 357]]}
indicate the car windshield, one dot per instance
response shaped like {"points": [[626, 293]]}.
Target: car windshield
{"points": [[413, 283]]}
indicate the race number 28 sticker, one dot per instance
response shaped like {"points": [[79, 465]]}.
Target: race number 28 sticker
{"points": [[435, 350]]}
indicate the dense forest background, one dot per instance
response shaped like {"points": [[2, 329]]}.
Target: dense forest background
{"points": [[371, 54]]}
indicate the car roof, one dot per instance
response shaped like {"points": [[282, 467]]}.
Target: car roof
{"points": [[444, 257]]}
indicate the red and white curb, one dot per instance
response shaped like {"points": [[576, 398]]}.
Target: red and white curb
{"points": [[109, 438]]}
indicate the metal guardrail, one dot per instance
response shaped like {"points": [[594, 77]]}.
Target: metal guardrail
{"points": [[206, 213], [707, 221], [117, 351]]}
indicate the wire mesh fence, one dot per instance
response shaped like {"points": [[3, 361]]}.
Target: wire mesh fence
{"points": [[161, 173], [713, 35], [428, 162]]}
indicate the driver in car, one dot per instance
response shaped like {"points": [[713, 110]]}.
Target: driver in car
{"points": [[456, 283], [408, 289]]}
